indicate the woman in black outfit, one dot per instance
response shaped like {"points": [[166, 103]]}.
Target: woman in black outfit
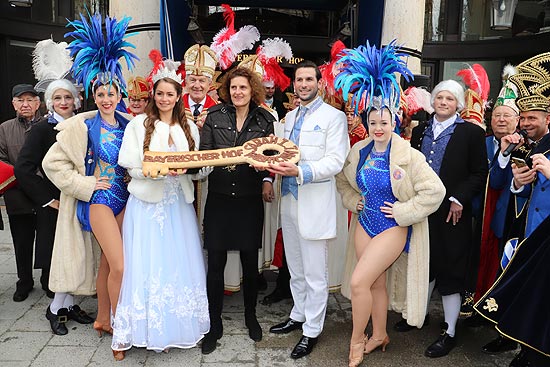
{"points": [[234, 213], [62, 100]]}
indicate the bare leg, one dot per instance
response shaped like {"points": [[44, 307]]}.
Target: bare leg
{"points": [[106, 229], [378, 254], [379, 307], [103, 303]]}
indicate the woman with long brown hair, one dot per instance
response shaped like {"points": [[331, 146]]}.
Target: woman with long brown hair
{"points": [[163, 301]]}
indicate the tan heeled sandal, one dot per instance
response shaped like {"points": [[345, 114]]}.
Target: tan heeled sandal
{"points": [[119, 355], [100, 328], [372, 344], [356, 352]]}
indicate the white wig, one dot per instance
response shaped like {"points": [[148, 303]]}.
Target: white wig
{"points": [[452, 87], [61, 84]]}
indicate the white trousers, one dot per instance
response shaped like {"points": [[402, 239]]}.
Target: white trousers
{"points": [[307, 263]]}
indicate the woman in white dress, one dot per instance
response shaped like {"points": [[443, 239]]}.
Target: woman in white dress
{"points": [[163, 302]]}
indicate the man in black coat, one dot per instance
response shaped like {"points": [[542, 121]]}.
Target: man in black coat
{"points": [[271, 101], [456, 151]]}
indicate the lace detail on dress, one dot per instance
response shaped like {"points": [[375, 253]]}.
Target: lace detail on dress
{"points": [[172, 193], [171, 188], [164, 301]]}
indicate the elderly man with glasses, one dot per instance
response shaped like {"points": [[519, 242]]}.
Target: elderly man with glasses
{"points": [[21, 215]]}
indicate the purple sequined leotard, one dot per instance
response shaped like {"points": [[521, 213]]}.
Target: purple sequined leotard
{"points": [[107, 166]]}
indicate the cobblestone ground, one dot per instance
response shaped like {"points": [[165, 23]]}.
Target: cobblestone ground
{"points": [[26, 339]]}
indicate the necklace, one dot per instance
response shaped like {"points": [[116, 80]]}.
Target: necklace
{"points": [[115, 125], [374, 151]]}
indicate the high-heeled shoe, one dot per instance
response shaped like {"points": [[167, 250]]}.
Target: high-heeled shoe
{"points": [[100, 328], [372, 344], [356, 352], [119, 355]]}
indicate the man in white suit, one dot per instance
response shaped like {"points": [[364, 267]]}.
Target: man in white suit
{"points": [[308, 204]]}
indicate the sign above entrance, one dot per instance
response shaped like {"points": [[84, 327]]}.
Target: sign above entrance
{"points": [[280, 60]]}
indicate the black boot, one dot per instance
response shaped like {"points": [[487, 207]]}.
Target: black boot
{"points": [[249, 261], [262, 283], [254, 328], [282, 287], [57, 322], [209, 343], [521, 360], [499, 344], [44, 280], [214, 290]]}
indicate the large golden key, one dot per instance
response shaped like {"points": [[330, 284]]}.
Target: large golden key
{"points": [[251, 152]]}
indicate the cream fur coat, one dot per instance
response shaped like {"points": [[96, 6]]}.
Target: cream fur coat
{"points": [[419, 192], [76, 254]]}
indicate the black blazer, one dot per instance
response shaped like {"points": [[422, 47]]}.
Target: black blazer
{"points": [[29, 164], [464, 167], [219, 131]]}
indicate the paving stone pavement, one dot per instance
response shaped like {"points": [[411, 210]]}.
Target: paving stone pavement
{"points": [[26, 339]]}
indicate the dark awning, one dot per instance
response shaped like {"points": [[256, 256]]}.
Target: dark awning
{"points": [[328, 5]]}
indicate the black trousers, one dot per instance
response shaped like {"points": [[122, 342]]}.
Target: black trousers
{"points": [[283, 279], [23, 230], [46, 219], [215, 281]]}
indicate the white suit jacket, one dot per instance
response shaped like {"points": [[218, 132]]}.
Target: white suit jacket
{"points": [[324, 146]]}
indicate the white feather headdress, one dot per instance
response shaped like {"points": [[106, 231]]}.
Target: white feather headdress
{"points": [[50, 61]]}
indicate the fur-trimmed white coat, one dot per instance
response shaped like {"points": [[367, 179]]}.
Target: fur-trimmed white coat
{"points": [[419, 192], [131, 157], [76, 254]]}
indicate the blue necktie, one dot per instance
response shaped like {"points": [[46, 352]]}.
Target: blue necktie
{"points": [[289, 184]]}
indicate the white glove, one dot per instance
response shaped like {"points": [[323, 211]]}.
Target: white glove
{"points": [[204, 172]]}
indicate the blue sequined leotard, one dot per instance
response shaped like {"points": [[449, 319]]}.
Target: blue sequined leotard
{"points": [[107, 166], [373, 180]]}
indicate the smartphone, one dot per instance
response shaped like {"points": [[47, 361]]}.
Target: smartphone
{"points": [[519, 162]]}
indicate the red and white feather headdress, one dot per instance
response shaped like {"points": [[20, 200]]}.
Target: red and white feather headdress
{"points": [[266, 62], [228, 43], [329, 71]]}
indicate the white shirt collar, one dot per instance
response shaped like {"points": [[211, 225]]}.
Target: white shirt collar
{"points": [[439, 126], [192, 103], [58, 117]]}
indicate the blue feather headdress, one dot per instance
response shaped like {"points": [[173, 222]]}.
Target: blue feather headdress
{"points": [[96, 55], [367, 76]]}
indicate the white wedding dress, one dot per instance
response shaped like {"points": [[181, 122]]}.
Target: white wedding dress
{"points": [[163, 302]]}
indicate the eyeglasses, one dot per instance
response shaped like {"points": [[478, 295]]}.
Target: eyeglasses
{"points": [[504, 116], [25, 100]]}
